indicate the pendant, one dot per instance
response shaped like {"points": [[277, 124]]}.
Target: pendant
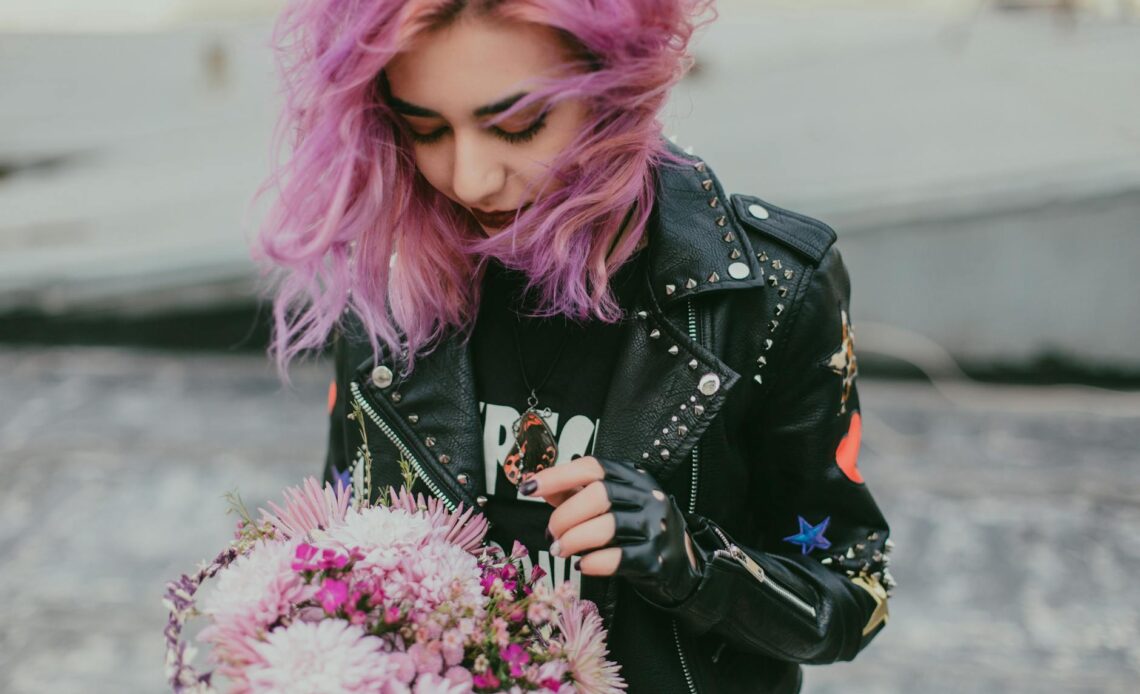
{"points": [[535, 448]]}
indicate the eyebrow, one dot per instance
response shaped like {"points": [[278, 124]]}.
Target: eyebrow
{"points": [[409, 109]]}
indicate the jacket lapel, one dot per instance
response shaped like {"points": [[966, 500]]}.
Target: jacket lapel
{"points": [[667, 387], [435, 413], [666, 391]]}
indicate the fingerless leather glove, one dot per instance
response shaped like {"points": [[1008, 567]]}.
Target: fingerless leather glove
{"points": [[650, 530]]}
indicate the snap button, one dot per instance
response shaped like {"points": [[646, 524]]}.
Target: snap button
{"points": [[738, 271], [462, 477], [709, 384], [381, 376], [481, 500], [757, 211]]}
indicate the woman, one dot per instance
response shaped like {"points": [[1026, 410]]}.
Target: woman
{"points": [[551, 313]]}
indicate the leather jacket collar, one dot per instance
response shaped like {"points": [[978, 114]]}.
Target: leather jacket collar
{"points": [[696, 247]]}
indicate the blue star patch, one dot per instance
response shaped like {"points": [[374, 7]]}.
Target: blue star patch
{"points": [[810, 536]]}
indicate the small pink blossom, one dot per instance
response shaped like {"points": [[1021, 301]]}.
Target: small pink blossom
{"points": [[500, 632], [538, 612], [516, 657], [451, 646], [486, 680], [303, 556], [332, 594], [392, 614]]}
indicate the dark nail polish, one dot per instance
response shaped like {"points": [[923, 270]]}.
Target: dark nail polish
{"points": [[528, 487], [578, 565]]}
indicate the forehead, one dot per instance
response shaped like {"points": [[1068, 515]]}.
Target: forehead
{"points": [[474, 62]]}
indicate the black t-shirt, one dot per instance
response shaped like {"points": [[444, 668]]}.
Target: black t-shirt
{"points": [[575, 393]]}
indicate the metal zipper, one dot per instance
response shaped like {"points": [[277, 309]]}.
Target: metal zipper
{"points": [[421, 471], [692, 506], [696, 448], [757, 572]]}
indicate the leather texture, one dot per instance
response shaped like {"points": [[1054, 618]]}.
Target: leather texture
{"points": [[735, 392], [650, 530]]}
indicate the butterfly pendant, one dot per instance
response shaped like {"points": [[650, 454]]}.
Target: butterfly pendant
{"points": [[535, 448]]}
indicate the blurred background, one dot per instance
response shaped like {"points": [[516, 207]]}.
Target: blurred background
{"points": [[980, 160]]}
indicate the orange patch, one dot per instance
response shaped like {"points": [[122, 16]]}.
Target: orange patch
{"points": [[847, 455], [332, 396]]}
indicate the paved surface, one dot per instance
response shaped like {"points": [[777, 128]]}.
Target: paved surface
{"points": [[1014, 511]]}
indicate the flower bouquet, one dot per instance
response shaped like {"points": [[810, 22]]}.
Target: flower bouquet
{"points": [[333, 594]]}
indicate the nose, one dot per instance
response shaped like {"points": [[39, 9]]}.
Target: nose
{"points": [[477, 175]]}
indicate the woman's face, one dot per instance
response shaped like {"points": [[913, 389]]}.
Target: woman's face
{"points": [[451, 81]]}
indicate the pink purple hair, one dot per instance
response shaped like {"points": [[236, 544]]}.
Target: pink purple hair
{"points": [[348, 196]]}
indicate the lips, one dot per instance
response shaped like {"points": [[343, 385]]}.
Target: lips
{"points": [[497, 219]]}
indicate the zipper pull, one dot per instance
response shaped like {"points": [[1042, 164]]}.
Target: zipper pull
{"points": [[742, 557], [748, 562]]}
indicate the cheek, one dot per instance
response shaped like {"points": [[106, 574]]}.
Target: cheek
{"points": [[562, 129], [434, 165]]}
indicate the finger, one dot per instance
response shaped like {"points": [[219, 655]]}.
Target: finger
{"points": [[603, 562], [558, 498], [567, 476], [579, 508], [592, 534]]}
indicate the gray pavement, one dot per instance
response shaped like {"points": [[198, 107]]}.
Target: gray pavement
{"points": [[1014, 512]]}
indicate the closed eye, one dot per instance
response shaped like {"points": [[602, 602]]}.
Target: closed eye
{"points": [[512, 136]]}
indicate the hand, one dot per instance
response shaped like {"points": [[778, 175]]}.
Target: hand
{"points": [[618, 510]]}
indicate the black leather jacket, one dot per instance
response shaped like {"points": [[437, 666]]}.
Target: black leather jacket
{"points": [[735, 388]]}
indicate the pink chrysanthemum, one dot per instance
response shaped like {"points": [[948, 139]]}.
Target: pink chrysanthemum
{"points": [[464, 528], [435, 574], [583, 642], [232, 650], [327, 657], [308, 508], [257, 589]]}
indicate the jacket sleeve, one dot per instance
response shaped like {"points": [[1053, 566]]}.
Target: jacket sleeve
{"points": [[809, 584]]}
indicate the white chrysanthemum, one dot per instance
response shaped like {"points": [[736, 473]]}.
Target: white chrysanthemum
{"points": [[379, 532], [326, 657], [256, 588]]}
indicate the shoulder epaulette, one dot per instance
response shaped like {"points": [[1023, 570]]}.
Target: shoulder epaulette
{"points": [[810, 237]]}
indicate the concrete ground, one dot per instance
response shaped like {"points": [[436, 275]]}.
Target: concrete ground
{"points": [[1013, 509]]}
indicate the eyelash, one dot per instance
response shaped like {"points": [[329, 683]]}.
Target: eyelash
{"points": [[514, 138]]}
